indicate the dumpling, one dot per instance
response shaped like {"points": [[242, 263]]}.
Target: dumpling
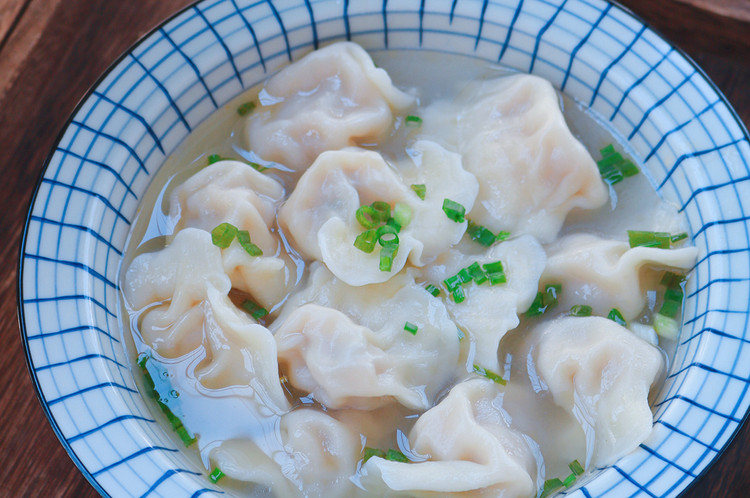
{"points": [[315, 457], [332, 98], [320, 216], [234, 192], [488, 312], [362, 357], [172, 283], [532, 171], [469, 449], [601, 373], [606, 274]]}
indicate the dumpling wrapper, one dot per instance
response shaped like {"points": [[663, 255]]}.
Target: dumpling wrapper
{"points": [[606, 274], [601, 373], [513, 137], [234, 192], [320, 214], [361, 357], [330, 99], [471, 450], [489, 312]]}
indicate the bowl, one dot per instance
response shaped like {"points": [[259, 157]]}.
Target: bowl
{"points": [[694, 148]]}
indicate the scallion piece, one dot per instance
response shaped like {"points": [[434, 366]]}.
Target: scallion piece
{"points": [[432, 290], [576, 467], [613, 168], [464, 275], [568, 482], [365, 241], [223, 235], [495, 272], [639, 238], [257, 167], [372, 452], [255, 310], [387, 253], [544, 300], [383, 209], [185, 435], [489, 374], [501, 236], [387, 235], [396, 456], [666, 327], [367, 216], [581, 310], [402, 214], [477, 274], [458, 295], [246, 108], [243, 237], [216, 475], [214, 158], [678, 237], [616, 316], [420, 189], [411, 328], [550, 486], [454, 210], [393, 224], [413, 121], [452, 283], [480, 234]]}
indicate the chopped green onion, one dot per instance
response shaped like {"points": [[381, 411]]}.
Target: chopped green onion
{"points": [[402, 214], [432, 290], [639, 238], [489, 374], [365, 241], [616, 316], [420, 189], [393, 224], [387, 235], [387, 253], [568, 482], [257, 167], [373, 452], [671, 279], [396, 456], [243, 237], [673, 295], [480, 234], [678, 237], [495, 272], [576, 467], [383, 209], [458, 295], [214, 158], [255, 310], [613, 168], [454, 210], [185, 435], [501, 236], [464, 275], [544, 300], [411, 328], [666, 327], [550, 486], [216, 475], [453, 282], [367, 216], [223, 235], [581, 310], [413, 121], [477, 274], [246, 108]]}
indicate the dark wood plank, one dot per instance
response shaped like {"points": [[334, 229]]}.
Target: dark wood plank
{"points": [[55, 69]]}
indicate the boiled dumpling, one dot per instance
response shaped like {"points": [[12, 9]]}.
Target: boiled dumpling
{"points": [[332, 98], [488, 312], [316, 456], [172, 283], [234, 192], [320, 213], [469, 447], [601, 373], [606, 274], [362, 357], [532, 171]]}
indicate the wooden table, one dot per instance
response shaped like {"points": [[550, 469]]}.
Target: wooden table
{"points": [[51, 51]]}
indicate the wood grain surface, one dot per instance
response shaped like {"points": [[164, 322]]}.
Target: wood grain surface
{"points": [[52, 51]]}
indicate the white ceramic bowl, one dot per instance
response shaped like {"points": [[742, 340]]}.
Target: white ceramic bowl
{"points": [[693, 146]]}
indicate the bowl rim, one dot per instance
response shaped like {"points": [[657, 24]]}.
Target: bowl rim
{"points": [[145, 37]]}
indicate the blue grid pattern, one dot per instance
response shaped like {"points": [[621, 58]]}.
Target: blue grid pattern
{"points": [[694, 148]]}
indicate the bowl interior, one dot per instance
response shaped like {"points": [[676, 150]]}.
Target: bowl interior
{"points": [[694, 148]]}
